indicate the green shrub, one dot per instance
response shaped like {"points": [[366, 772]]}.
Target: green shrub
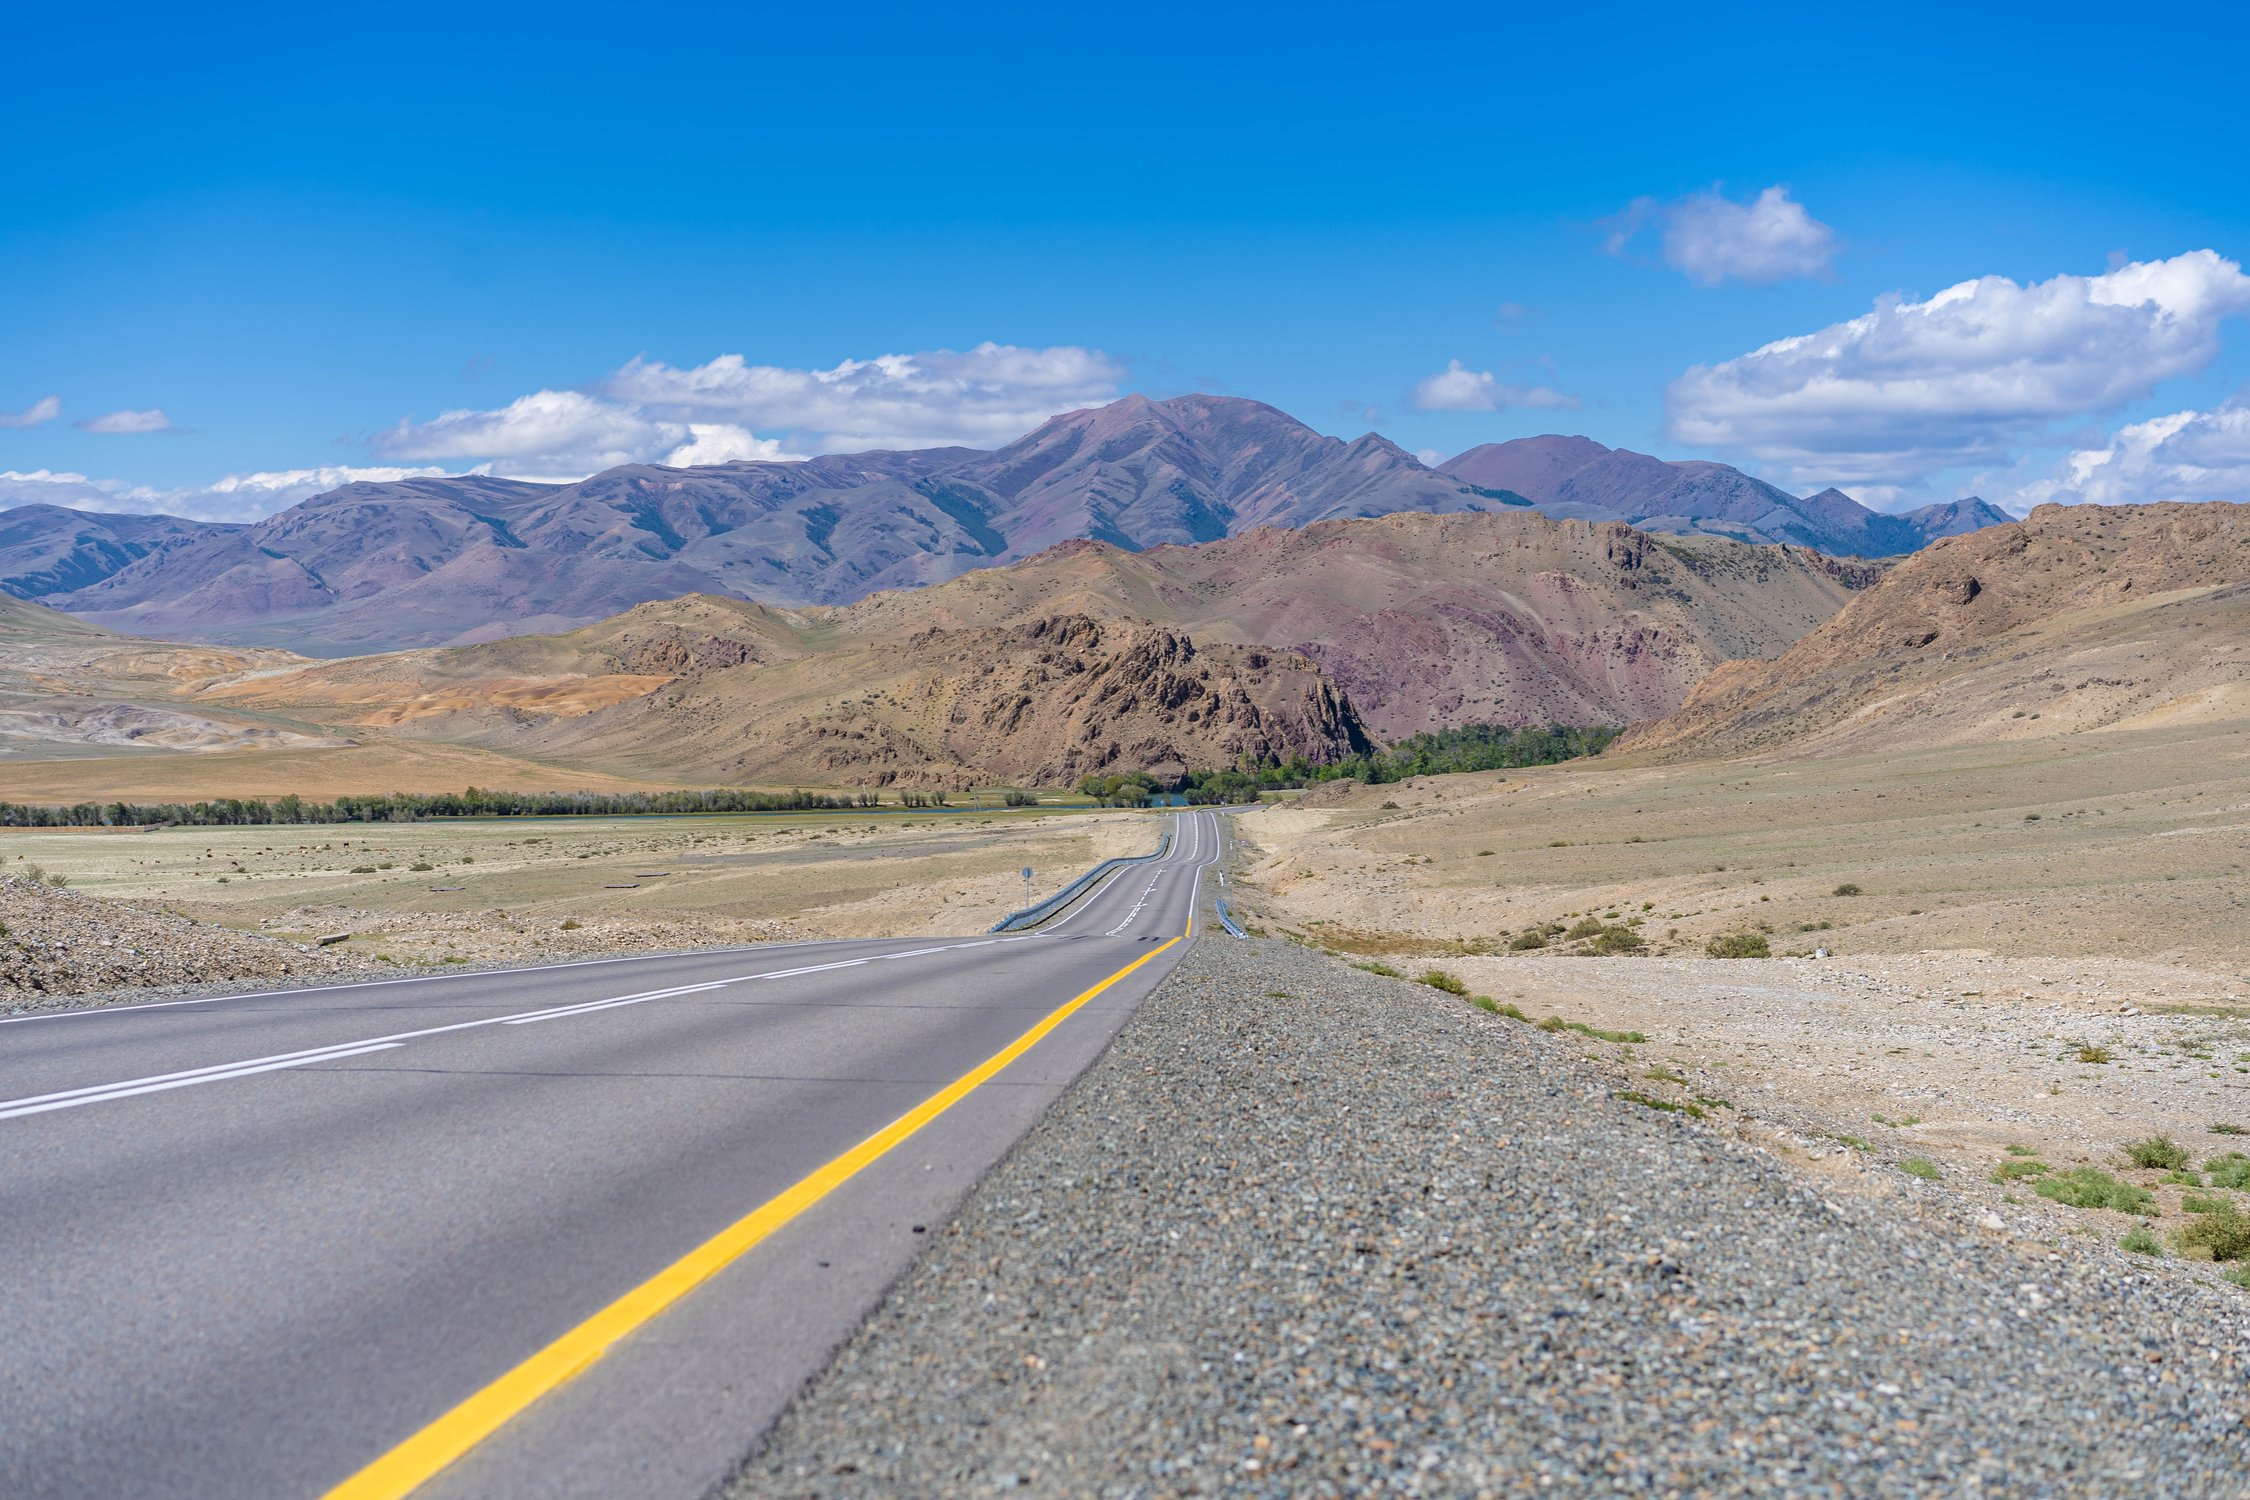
{"points": [[571, 924], [2089, 1053], [1384, 970], [2229, 1171], [2223, 1234], [1524, 942], [2223, 1128], [1485, 1003], [1586, 927], [2157, 1152], [363, 869], [1650, 1101], [421, 867], [1618, 940], [1557, 1023], [2091, 1187], [2140, 1241], [1438, 979], [1739, 945], [1847, 889], [1915, 1166]]}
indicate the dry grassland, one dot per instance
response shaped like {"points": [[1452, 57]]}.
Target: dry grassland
{"points": [[473, 891]]}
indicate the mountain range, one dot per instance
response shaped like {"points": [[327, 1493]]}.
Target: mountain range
{"points": [[420, 562]]}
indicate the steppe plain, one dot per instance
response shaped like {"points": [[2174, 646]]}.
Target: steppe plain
{"points": [[2011, 905]]}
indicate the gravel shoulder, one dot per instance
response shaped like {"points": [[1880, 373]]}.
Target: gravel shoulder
{"points": [[1305, 1230]]}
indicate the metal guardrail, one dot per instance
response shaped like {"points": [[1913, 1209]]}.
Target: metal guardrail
{"points": [[1227, 921], [1032, 916]]}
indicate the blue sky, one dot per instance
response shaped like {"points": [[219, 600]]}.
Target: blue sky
{"points": [[247, 254]]}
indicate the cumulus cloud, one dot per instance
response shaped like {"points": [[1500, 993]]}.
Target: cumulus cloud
{"points": [[45, 409], [1968, 376], [236, 497], [650, 411], [1714, 239], [152, 420], [2188, 455], [724, 443], [980, 397], [1458, 388]]}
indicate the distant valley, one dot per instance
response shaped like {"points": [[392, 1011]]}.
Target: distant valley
{"points": [[444, 561]]}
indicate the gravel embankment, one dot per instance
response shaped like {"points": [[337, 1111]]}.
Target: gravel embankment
{"points": [[1306, 1231], [59, 947]]}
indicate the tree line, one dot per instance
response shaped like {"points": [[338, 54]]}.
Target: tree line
{"points": [[1465, 747], [401, 807]]}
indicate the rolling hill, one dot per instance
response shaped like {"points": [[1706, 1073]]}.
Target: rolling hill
{"points": [[2078, 618]]}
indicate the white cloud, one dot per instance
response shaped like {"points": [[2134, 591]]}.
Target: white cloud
{"points": [[236, 497], [1967, 376], [2188, 455], [152, 420], [980, 397], [1714, 239], [653, 412], [724, 443], [45, 409], [1457, 388]]}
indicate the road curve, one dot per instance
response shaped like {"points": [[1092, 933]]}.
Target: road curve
{"points": [[572, 1230]]}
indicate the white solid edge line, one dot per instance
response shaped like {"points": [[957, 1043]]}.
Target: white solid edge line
{"points": [[376, 984], [218, 1072], [157, 1086]]}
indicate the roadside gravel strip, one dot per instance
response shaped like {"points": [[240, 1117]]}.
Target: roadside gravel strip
{"points": [[1306, 1231]]}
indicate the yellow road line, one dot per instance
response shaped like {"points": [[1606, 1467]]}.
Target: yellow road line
{"points": [[416, 1460]]}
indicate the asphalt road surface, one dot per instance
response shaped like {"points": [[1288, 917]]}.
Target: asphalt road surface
{"points": [[575, 1230]]}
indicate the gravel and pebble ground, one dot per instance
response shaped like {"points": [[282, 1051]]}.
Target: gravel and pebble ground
{"points": [[1308, 1231]]}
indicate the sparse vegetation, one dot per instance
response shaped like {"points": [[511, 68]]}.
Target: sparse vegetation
{"points": [[1847, 889], [2089, 1053], [1739, 945], [1670, 1107], [2229, 1171], [1557, 1023], [2220, 1232], [1915, 1166], [2140, 1241], [1524, 942], [2158, 1153], [1382, 969], [2091, 1187], [1438, 979]]}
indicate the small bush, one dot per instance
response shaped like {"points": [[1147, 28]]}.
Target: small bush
{"points": [[1739, 945], [2157, 1152], [363, 869], [1021, 799], [1557, 1023], [1383, 970], [1485, 1003], [2091, 1187], [1915, 1166], [1650, 1101], [2089, 1053], [2229, 1171], [1585, 927], [2223, 1234], [1524, 942], [421, 867], [1438, 979], [2140, 1241], [571, 924], [1618, 940], [1847, 889], [1665, 1075], [2222, 1128], [2012, 1171]]}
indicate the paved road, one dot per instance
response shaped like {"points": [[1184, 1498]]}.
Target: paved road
{"points": [[252, 1245]]}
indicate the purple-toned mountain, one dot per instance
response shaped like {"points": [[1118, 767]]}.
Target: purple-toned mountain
{"points": [[1576, 478], [420, 562]]}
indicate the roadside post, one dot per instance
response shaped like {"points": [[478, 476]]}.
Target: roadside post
{"points": [[1027, 885]]}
